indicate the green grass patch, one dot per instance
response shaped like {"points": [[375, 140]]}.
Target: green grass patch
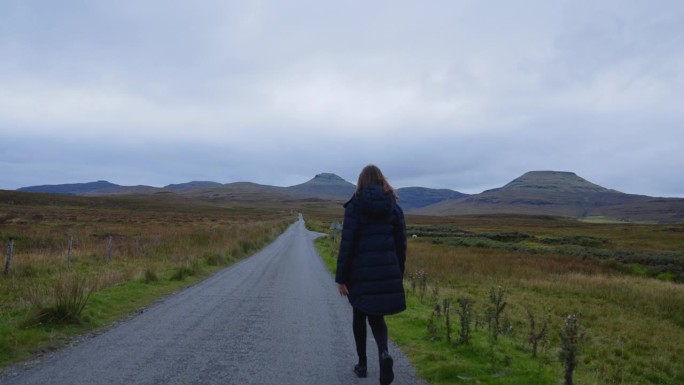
{"points": [[440, 362], [599, 219], [328, 252]]}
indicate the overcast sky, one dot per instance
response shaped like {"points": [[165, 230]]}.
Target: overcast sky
{"points": [[465, 95]]}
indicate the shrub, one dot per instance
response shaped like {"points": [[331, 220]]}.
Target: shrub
{"points": [[465, 313], [535, 336], [496, 307], [570, 338]]}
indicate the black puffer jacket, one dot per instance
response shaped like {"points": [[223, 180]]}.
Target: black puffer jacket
{"points": [[373, 252]]}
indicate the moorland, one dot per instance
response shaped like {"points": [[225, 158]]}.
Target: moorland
{"points": [[79, 264], [513, 279], [621, 282]]}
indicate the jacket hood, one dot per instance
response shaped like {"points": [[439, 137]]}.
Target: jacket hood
{"points": [[375, 202]]}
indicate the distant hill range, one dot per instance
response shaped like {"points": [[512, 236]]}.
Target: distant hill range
{"points": [[323, 187], [552, 193], [563, 194]]}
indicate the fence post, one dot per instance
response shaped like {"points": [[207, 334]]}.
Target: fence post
{"points": [[70, 248], [10, 251], [109, 248], [335, 227], [137, 245]]}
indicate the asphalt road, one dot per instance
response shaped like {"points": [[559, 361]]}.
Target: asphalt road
{"points": [[274, 318]]}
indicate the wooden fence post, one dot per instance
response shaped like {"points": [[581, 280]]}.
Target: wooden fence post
{"points": [[137, 245], [335, 227], [10, 251], [109, 248], [70, 248]]}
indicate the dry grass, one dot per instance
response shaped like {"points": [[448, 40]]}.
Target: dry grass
{"points": [[634, 325], [153, 242]]}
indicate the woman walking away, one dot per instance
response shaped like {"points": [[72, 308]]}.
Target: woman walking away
{"points": [[370, 264]]}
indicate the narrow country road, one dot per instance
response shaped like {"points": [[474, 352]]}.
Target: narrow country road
{"points": [[274, 318]]}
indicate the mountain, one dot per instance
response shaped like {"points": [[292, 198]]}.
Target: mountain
{"points": [[551, 181], [101, 187], [244, 193], [324, 185], [536, 193], [191, 185], [72, 188], [411, 198], [562, 194], [328, 185]]}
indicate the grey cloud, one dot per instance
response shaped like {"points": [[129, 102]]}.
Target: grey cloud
{"points": [[462, 95]]}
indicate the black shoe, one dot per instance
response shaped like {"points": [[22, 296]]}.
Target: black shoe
{"points": [[386, 373], [360, 370]]}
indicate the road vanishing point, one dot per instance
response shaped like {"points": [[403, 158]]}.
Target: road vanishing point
{"points": [[273, 318]]}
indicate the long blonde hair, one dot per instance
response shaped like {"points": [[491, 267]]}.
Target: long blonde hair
{"points": [[371, 175]]}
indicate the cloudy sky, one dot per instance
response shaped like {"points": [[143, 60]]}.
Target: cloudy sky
{"points": [[460, 94]]}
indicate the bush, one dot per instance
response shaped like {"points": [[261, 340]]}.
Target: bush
{"points": [[570, 338]]}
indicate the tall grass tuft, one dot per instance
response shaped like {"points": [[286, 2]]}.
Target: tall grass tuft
{"points": [[150, 276], [215, 259], [187, 269], [61, 301]]}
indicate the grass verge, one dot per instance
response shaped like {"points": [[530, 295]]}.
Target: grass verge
{"points": [[631, 327], [45, 304]]}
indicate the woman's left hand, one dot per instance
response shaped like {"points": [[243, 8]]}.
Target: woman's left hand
{"points": [[342, 289]]}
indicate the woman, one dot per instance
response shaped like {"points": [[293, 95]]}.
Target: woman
{"points": [[370, 264]]}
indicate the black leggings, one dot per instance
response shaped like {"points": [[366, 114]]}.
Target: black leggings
{"points": [[378, 327]]}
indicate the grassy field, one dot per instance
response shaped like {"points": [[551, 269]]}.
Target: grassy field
{"points": [[619, 280], [126, 253], [622, 281]]}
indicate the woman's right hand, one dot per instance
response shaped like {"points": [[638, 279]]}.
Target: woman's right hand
{"points": [[342, 288]]}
